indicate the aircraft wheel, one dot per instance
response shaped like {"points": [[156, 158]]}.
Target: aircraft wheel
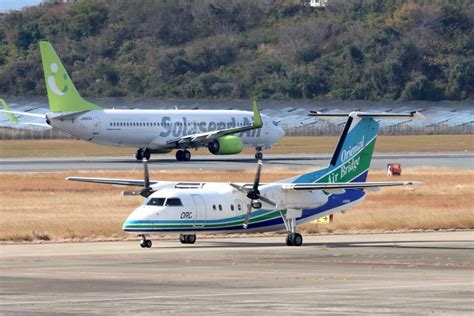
{"points": [[142, 245], [179, 155], [190, 239], [146, 154], [148, 243], [259, 156], [186, 155], [182, 238], [139, 154], [297, 239], [289, 239]]}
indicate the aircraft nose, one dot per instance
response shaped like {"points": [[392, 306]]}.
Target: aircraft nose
{"points": [[279, 133], [135, 218]]}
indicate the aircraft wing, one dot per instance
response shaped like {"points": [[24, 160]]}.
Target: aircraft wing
{"points": [[138, 183], [11, 113], [342, 186], [207, 137]]}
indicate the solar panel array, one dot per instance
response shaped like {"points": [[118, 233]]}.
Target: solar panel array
{"points": [[440, 118]]}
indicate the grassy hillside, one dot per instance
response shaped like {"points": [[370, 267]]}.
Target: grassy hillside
{"points": [[373, 50]]}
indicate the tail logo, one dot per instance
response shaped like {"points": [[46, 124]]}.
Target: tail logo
{"points": [[347, 154], [52, 82]]}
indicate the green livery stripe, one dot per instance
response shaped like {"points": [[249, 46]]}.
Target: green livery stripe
{"points": [[264, 217], [353, 167]]}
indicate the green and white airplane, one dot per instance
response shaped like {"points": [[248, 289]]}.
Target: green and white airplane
{"points": [[193, 207], [224, 132]]}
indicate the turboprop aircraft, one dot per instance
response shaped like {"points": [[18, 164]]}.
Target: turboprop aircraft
{"points": [[224, 132], [194, 207]]}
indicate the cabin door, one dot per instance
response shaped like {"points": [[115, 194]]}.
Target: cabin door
{"points": [[96, 127], [200, 210]]}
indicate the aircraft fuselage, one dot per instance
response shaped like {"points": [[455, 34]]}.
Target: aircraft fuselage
{"points": [[155, 128]]}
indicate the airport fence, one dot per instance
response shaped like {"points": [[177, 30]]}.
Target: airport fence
{"points": [[7, 133]]}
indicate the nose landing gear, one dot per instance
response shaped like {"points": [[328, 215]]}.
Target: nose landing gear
{"points": [[145, 243], [258, 154]]}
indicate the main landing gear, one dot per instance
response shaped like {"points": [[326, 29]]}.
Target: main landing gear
{"points": [[258, 154], [145, 243], [183, 155], [293, 238], [187, 239], [143, 153]]}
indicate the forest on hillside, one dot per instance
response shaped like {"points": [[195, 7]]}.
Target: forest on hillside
{"points": [[368, 50]]}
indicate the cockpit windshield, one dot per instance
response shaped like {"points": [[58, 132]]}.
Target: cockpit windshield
{"points": [[173, 202], [156, 201], [163, 202]]}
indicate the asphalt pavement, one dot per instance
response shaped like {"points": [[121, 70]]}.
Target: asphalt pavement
{"points": [[390, 274]]}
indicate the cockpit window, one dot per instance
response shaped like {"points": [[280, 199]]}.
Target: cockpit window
{"points": [[173, 202], [156, 201]]}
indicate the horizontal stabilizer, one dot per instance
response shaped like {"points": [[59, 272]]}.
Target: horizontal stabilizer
{"points": [[349, 185], [412, 115], [138, 183], [25, 113]]}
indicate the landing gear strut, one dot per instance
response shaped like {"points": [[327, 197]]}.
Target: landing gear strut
{"points": [[183, 155], [145, 243], [259, 154], [143, 153], [187, 239], [293, 238]]}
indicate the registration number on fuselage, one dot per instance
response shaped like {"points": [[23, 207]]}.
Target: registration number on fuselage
{"points": [[186, 215]]}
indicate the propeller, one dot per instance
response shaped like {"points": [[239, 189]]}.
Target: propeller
{"points": [[147, 190], [254, 195]]}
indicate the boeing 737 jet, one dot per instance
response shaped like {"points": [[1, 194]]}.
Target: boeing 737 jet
{"points": [[189, 207], [224, 132]]}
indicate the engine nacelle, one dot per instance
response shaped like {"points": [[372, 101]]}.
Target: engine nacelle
{"points": [[226, 145]]}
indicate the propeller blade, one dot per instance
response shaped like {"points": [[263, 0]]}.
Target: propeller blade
{"points": [[239, 187], [247, 217], [145, 173], [266, 200], [257, 175], [131, 193]]}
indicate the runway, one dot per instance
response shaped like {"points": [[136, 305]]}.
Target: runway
{"points": [[230, 163], [411, 273]]}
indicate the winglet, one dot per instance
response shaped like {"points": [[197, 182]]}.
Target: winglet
{"points": [[257, 119], [10, 115]]}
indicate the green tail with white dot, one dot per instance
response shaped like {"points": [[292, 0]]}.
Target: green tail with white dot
{"points": [[62, 94]]}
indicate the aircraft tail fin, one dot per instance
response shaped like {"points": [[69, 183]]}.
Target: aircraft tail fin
{"points": [[62, 94], [7, 110], [353, 154]]}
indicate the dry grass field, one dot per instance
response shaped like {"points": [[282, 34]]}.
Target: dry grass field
{"points": [[287, 145], [43, 206]]}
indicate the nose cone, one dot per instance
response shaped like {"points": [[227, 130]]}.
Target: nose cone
{"points": [[137, 218], [278, 133]]}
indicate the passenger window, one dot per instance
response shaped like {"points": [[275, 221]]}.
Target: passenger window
{"points": [[232, 207], [173, 202], [220, 207], [156, 202], [214, 207], [239, 207]]}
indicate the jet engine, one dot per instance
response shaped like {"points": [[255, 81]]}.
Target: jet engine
{"points": [[226, 145]]}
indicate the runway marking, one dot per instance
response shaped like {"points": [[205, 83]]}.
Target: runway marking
{"points": [[288, 291]]}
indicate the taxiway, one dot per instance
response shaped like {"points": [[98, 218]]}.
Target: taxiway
{"points": [[411, 273], [231, 163]]}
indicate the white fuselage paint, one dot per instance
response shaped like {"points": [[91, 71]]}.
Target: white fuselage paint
{"points": [[155, 128], [220, 202]]}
